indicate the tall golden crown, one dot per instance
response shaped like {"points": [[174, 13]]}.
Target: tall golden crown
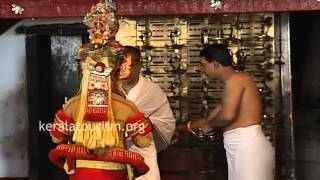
{"points": [[102, 27], [102, 23]]}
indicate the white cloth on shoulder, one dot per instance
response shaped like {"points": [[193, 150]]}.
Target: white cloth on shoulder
{"points": [[250, 155], [153, 102]]}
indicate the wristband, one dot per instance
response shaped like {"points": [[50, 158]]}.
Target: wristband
{"points": [[190, 129]]}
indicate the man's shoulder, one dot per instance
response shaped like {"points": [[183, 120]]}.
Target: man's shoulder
{"points": [[241, 77], [151, 85], [71, 106], [240, 80], [151, 90], [72, 101]]}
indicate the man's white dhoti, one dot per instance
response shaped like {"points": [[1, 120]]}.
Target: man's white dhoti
{"points": [[250, 155]]}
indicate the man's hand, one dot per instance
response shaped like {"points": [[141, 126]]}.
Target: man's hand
{"points": [[175, 137], [181, 128], [195, 125], [207, 129]]}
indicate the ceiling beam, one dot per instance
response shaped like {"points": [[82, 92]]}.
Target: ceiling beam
{"points": [[76, 8]]}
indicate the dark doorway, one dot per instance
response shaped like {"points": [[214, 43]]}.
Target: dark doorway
{"points": [[53, 76], [305, 43]]}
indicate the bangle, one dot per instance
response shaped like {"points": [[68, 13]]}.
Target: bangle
{"points": [[190, 129]]}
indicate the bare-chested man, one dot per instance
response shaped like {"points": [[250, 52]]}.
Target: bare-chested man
{"points": [[250, 155]]}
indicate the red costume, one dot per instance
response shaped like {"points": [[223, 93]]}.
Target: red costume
{"points": [[92, 127]]}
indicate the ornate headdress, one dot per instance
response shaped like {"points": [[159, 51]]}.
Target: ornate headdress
{"points": [[100, 65], [102, 27]]}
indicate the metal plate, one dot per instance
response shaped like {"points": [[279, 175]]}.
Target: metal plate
{"points": [[170, 48]]}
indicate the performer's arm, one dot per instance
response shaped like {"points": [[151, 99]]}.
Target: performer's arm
{"points": [[139, 129], [63, 124]]}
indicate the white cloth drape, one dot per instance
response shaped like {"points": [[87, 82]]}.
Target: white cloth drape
{"points": [[250, 155], [153, 102]]}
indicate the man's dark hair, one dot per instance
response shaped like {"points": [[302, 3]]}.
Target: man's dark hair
{"points": [[135, 53], [217, 52]]}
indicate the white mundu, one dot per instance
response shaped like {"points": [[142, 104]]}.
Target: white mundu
{"points": [[250, 155], [151, 100]]}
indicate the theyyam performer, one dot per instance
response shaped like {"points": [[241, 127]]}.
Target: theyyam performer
{"points": [[93, 126]]}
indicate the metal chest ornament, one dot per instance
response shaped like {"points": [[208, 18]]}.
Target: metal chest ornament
{"points": [[98, 88]]}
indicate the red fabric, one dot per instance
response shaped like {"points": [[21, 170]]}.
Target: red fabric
{"points": [[117, 155], [147, 130], [71, 163], [56, 133], [95, 117], [135, 118], [99, 174], [64, 117], [96, 114]]}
